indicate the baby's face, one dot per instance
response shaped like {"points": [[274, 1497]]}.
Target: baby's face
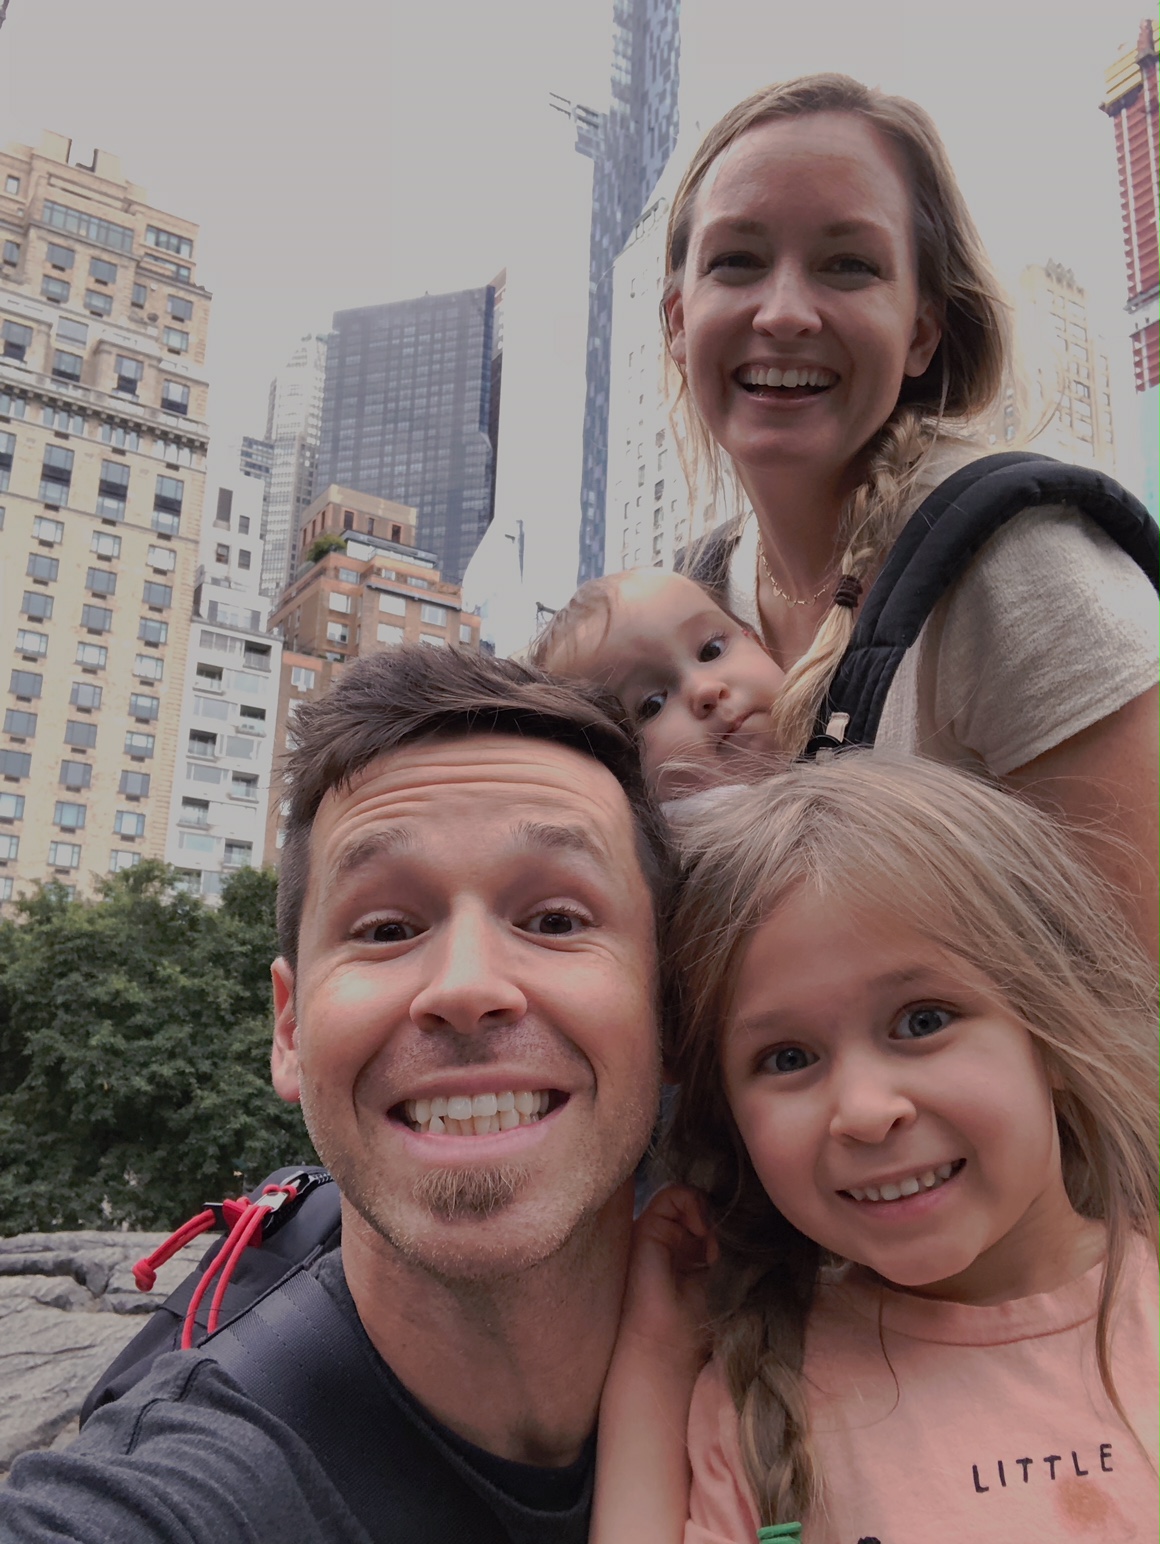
{"points": [[697, 684]]}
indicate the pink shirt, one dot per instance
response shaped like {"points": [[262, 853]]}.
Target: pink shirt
{"points": [[997, 1427]]}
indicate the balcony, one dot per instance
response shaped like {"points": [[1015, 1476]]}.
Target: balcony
{"points": [[202, 752], [208, 684]]}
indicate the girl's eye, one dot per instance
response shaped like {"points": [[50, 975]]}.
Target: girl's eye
{"points": [[789, 1058], [917, 1023], [555, 924], [711, 650], [389, 932], [650, 707]]}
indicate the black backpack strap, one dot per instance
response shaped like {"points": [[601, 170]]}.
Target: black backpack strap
{"points": [[938, 542], [298, 1355]]}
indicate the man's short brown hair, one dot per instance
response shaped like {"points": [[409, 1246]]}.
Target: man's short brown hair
{"points": [[413, 693]]}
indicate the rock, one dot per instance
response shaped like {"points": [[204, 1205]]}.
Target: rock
{"points": [[68, 1304]]}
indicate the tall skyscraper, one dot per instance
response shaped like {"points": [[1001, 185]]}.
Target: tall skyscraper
{"points": [[102, 465], [293, 424], [407, 414], [1131, 104], [629, 146]]}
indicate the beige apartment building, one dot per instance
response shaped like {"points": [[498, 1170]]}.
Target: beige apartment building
{"points": [[376, 590], [102, 464]]}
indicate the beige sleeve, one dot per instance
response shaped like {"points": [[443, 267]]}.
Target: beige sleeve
{"points": [[1052, 628], [721, 1509]]}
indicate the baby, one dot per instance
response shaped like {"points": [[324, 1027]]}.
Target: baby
{"points": [[696, 682]]}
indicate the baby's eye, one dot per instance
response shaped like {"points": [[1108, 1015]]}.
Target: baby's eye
{"points": [[711, 650], [917, 1023], [789, 1058], [650, 706], [555, 924]]}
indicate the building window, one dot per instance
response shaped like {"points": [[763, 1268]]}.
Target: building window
{"points": [[98, 619], [243, 558], [18, 722], [76, 774], [56, 474], [149, 667], [82, 735], [63, 855], [221, 553], [393, 605], [26, 683], [154, 594], [121, 439], [174, 338], [256, 656], [102, 272], [39, 567], [55, 290], [129, 823], [174, 397], [69, 817], [337, 632], [119, 860], [103, 232], [128, 372], [466, 633], [436, 615], [30, 643], [202, 743], [194, 812], [134, 785], [37, 605], [180, 309], [97, 303], [238, 855], [12, 184], [101, 581], [17, 340], [140, 296], [11, 806], [387, 632], [164, 559], [143, 706], [105, 545], [48, 530], [11, 252], [15, 764], [72, 332], [58, 256], [340, 602], [244, 785], [138, 745], [9, 850], [434, 641], [167, 501], [152, 631], [92, 656], [7, 452], [302, 678], [168, 241], [86, 696]]}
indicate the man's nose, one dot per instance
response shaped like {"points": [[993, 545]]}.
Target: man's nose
{"points": [[869, 1102], [787, 307], [471, 984]]}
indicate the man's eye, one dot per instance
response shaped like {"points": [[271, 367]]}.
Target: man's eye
{"points": [[650, 707], [555, 924], [789, 1058], [392, 932], [917, 1023], [711, 650]]}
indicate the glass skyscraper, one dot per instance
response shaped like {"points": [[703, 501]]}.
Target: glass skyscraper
{"points": [[407, 414], [629, 146]]}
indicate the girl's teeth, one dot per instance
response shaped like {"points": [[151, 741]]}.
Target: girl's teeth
{"points": [[904, 1187], [945, 1170]]}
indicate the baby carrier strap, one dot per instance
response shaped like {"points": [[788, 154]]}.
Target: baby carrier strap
{"points": [[937, 543]]}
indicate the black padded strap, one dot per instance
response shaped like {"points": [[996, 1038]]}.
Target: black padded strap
{"points": [[298, 1356], [938, 542]]}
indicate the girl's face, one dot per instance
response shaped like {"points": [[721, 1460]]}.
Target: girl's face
{"points": [[895, 1109], [798, 312]]}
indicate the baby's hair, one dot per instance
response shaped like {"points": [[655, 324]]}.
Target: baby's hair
{"points": [[979, 873]]}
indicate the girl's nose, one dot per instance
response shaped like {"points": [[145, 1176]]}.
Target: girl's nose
{"points": [[868, 1106]]}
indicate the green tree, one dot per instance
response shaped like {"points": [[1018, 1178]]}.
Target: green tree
{"points": [[329, 541], [134, 1053]]}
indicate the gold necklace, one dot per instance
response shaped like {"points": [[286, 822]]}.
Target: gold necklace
{"points": [[780, 593]]}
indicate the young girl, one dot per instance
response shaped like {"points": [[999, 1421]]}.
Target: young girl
{"points": [[917, 1059], [694, 680]]}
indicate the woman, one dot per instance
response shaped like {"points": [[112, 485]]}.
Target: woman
{"points": [[839, 334]]}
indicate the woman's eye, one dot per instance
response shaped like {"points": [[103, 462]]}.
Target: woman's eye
{"points": [[789, 1058], [855, 267], [735, 262], [555, 924], [392, 932], [650, 707], [917, 1023], [711, 650]]}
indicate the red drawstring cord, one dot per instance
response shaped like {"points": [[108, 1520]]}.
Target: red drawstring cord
{"points": [[246, 1219]]}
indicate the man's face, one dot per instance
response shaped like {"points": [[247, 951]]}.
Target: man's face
{"points": [[476, 928]]}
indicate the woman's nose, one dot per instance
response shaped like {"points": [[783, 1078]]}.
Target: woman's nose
{"points": [[787, 308]]}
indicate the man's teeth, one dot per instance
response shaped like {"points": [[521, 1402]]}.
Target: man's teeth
{"points": [[810, 376], [463, 1115], [930, 1180]]}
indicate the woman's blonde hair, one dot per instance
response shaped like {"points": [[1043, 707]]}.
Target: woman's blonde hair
{"points": [[961, 382], [978, 873]]}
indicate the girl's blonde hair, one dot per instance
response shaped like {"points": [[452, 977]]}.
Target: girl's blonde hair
{"points": [[977, 872], [961, 382]]}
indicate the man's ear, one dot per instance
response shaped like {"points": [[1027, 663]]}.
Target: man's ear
{"points": [[284, 1054], [926, 338], [675, 312]]}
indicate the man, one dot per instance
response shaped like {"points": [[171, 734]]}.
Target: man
{"points": [[465, 1006]]}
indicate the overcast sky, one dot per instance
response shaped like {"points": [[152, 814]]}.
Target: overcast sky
{"points": [[348, 152]]}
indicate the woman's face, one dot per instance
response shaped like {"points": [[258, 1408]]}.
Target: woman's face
{"points": [[798, 312]]}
